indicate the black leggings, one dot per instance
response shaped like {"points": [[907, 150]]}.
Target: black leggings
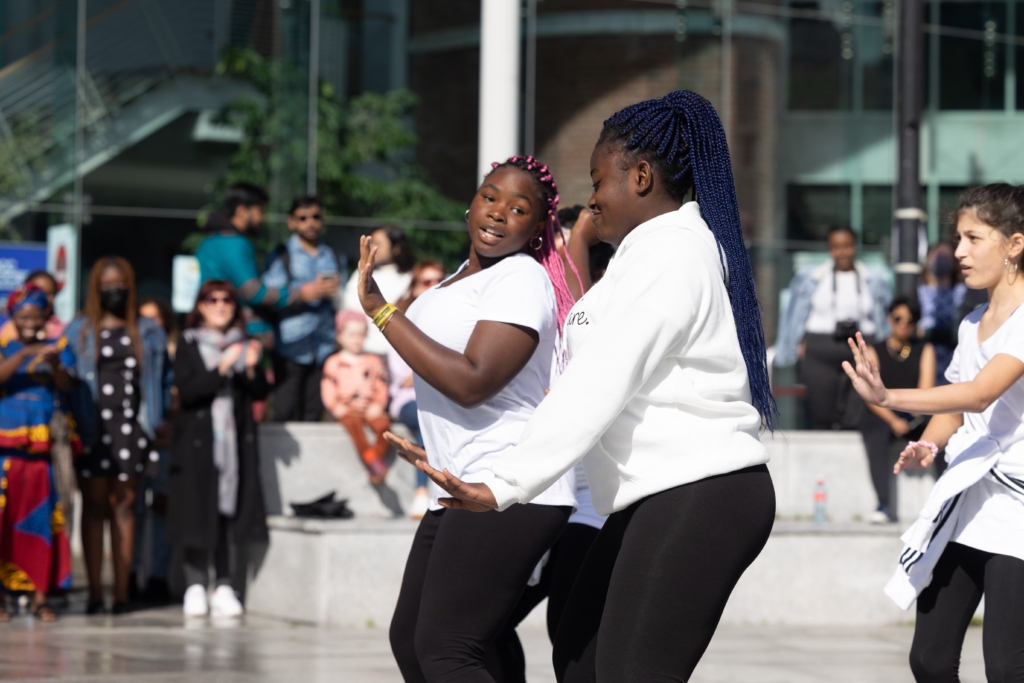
{"points": [[653, 587], [506, 661], [945, 609], [464, 577]]}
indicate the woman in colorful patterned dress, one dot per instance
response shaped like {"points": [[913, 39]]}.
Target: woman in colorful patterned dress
{"points": [[35, 556]]}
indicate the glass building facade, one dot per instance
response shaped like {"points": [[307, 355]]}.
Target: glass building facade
{"points": [[805, 89]]}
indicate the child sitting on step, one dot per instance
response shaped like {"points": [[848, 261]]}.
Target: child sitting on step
{"points": [[355, 392]]}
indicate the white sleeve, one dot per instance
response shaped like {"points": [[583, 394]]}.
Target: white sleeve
{"points": [[952, 373], [648, 316], [519, 294], [1014, 345]]}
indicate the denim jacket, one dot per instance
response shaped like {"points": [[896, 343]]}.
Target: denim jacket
{"points": [[793, 320], [303, 333], [154, 378]]}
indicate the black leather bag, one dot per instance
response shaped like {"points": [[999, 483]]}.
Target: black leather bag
{"points": [[324, 508]]}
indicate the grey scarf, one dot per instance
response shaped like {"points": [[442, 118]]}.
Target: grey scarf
{"points": [[222, 413]]}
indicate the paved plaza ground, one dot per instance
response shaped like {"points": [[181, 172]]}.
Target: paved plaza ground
{"points": [[158, 646]]}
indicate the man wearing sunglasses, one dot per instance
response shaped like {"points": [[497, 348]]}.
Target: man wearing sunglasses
{"points": [[303, 333]]}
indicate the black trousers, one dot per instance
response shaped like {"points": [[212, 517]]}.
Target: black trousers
{"points": [[830, 397], [464, 577], [883, 449], [945, 609], [197, 561], [653, 587], [507, 661], [296, 394]]}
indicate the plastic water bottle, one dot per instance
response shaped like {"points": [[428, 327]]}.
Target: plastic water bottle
{"points": [[820, 502]]}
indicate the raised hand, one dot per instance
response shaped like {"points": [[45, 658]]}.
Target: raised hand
{"points": [[472, 497], [369, 293], [913, 457], [865, 377]]}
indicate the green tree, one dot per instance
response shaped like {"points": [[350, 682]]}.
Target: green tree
{"points": [[364, 159]]}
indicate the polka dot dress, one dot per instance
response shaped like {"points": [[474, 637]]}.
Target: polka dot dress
{"points": [[123, 449]]}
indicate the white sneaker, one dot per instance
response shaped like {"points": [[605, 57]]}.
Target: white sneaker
{"points": [[420, 503], [878, 517], [224, 603], [195, 601]]}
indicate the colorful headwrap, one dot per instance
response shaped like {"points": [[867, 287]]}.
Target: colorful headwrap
{"points": [[27, 295]]}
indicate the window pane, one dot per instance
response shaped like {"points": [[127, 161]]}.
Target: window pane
{"points": [[812, 209], [818, 73], [1019, 58], [875, 47], [876, 213], [949, 199], [971, 69]]}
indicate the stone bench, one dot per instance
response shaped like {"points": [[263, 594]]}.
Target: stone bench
{"points": [[302, 461], [348, 572]]}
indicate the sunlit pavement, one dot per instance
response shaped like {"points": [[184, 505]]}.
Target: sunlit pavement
{"points": [[159, 646]]}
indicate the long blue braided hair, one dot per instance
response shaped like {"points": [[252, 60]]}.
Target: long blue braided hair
{"points": [[681, 137]]}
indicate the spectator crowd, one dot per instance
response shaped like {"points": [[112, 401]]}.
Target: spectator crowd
{"points": [[911, 341], [150, 415], [154, 416]]}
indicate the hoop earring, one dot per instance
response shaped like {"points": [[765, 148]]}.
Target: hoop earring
{"points": [[465, 216], [1006, 263], [540, 243]]}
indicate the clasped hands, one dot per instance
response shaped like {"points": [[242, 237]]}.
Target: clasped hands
{"points": [[465, 496]]}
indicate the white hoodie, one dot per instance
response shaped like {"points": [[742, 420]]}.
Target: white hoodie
{"points": [[656, 393]]}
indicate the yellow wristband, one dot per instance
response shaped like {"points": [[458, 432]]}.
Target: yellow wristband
{"points": [[384, 315]]}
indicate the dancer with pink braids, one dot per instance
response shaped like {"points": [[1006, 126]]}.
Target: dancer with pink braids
{"points": [[481, 345]]}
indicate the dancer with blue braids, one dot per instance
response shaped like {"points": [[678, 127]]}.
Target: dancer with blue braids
{"points": [[664, 396]]}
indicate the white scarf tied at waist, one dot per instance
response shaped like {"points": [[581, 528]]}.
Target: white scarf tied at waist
{"points": [[927, 538]]}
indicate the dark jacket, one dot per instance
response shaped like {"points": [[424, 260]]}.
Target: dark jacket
{"points": [[192, 494]]}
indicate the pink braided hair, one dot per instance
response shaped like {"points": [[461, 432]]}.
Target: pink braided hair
{"points": [[547, 255]]}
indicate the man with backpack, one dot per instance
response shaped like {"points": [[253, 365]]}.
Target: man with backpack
{"points": [[303, 333], [227, 253]]}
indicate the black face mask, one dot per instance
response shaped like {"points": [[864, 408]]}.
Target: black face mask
{"points": [[114, 300]]}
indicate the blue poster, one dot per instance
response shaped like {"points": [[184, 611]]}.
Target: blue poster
{"points": [[17, 260]]}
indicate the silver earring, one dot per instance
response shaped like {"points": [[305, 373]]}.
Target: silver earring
{"points": [[540, 243], [465, 216]]}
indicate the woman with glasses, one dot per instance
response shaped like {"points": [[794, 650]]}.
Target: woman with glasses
{"points": [[214, 499], [905, 362]]}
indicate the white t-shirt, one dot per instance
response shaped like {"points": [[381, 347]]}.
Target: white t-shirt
{"points": [[991, 519], [829, 307], [466, 441]]}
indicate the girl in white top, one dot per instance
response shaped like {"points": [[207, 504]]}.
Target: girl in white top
{"points": [[481, 346], [393, 274], [969, 539], [663, 398]]}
